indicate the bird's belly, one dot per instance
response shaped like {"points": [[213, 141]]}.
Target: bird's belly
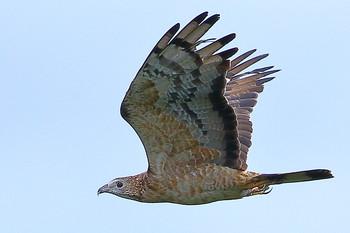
{"points": [[190, 197], [203, 185]]}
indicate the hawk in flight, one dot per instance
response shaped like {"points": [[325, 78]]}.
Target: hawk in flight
{"points": [[191, 109]]}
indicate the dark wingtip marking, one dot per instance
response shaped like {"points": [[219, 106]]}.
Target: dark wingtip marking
{"points": [[174, 29], [227, 39], [162, 43], [228, 53], [199, 18], [189, 28], [212, 19]]}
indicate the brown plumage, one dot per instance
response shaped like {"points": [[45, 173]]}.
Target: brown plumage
{"points": [[191, 108]]}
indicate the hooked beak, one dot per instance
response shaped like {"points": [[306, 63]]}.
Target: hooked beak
{"points": [[103, 189]]}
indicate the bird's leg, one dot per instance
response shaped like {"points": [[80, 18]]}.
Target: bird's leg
{"points": [[265, 189]]}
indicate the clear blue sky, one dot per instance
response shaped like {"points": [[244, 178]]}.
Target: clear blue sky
{"points": [[64, 69]]}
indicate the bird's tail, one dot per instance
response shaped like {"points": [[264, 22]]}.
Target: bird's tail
{"points": [[259, 184]]}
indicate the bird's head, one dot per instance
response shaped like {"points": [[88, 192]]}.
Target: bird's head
{"points": [[127, 187]]}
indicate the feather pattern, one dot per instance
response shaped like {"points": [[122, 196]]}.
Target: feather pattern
{"points": [[181, 99]]}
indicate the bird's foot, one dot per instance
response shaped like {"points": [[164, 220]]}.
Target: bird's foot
{"points": [[265, 189]]}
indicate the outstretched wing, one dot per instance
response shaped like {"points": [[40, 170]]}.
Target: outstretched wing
{"points": [[182, 105]]}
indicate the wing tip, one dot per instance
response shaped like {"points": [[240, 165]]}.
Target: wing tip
{"points": [[227, 39], [212, 19], [164, 40], [228, 53], [199, 18], [260, 82]]}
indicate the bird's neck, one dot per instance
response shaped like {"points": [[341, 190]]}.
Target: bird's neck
{"points": [[138, 185]]}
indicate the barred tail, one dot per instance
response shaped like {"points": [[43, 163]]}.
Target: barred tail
{"points": [[317, 174], [263, 181], [281, 178]]}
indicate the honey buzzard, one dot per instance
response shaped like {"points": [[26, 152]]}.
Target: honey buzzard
{"points": [[190, 107]]}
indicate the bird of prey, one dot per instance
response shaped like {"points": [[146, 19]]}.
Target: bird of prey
{"points": [[191, 108]]}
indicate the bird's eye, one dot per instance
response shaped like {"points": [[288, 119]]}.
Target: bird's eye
{"points": [[119, 184]]}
